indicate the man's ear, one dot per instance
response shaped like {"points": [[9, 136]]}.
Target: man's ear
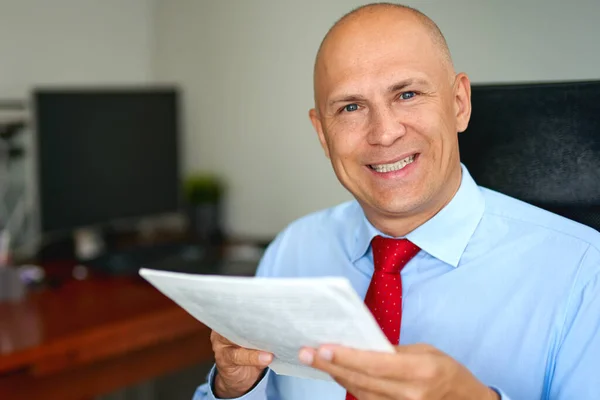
{"points": [[316, 122], [462, 101]]}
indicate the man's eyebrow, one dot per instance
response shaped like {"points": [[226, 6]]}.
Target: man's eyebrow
{"points": [[396, 87], [345, 98]]}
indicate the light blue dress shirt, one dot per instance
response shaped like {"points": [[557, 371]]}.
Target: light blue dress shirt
{"points": [[509, 290]]}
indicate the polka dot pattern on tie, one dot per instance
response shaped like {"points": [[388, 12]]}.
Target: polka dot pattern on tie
{"points": [[384, 297]]}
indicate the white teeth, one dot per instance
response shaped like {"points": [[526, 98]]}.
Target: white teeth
{"points": [[395, 166]]}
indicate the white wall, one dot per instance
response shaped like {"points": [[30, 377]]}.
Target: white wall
{"points": [[246, 69], [73, 41]]}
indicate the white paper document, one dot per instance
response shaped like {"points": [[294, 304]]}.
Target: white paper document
{"points": [[277, 315]]}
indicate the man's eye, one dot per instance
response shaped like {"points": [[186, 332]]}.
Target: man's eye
{"points": [[351, 107], [408, 95]]}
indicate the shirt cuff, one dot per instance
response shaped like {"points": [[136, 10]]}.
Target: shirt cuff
{"points": [[259, 392], [503, 396]]}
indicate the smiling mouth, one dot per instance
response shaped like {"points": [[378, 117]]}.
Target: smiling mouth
{"points": [[397, 166]]}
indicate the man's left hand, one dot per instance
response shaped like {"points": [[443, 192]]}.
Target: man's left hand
{"points": [[415, 372]]}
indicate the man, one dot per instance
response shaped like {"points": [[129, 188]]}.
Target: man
{"points": [[496, 299]]}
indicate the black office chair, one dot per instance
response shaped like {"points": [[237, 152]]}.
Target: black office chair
{"points": [[539, 143]]}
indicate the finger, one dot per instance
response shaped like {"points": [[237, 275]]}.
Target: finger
{"points": [[360, 384], [384, 365], [237, 355], [217, 338], [245, 357], [418, 348], [219, 343]]}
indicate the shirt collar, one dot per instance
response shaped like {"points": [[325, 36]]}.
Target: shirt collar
{"points": [[446, 235]]}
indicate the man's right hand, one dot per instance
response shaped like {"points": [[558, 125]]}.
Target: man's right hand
{"points": [[238, 368]]}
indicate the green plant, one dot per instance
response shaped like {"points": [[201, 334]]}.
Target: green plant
{"points": [[203, 188]]}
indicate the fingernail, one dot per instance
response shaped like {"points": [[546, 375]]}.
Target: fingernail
{"points": [[264, 358], [306, 357], [325, 353]]}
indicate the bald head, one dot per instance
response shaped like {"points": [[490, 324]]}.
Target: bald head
{"points": [[401, 11], [379, 22]]}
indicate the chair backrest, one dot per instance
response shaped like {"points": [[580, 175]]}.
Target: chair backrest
{"points": [[539, 143]]}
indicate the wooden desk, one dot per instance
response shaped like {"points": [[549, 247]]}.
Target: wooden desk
{"points": [[88, 338]]}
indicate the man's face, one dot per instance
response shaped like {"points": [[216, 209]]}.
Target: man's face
{"points": [[389, 109]]}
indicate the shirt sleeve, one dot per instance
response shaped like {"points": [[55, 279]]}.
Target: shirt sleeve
{"points": [[577, 363], [503, 396], [259, 392]]}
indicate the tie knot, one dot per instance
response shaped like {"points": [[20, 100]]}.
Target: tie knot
{"points": [[391, 255]]}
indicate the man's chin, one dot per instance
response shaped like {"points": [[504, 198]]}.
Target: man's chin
{"points": [[394, 208]]}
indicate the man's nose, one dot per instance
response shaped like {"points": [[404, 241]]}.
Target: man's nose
{"points": [[386, 127]]}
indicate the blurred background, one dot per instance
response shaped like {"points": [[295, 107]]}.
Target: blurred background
{"points": [[174, 134]]}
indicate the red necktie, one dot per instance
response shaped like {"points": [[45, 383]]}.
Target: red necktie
{"points": [[384, 297]]}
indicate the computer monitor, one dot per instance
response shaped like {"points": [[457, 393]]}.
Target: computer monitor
{"points": [[105, 155], [538, 142]]}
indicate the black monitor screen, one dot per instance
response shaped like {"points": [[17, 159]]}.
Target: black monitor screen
{"points": [[538, 142], [105, 155]]}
